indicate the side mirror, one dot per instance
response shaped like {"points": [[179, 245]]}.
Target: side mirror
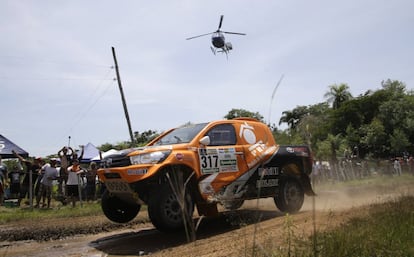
{"points": [[205, 140]]}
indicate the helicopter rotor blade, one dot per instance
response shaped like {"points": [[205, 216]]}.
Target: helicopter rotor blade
{"points": [[221, 21], [200, 36], [235, 33]]}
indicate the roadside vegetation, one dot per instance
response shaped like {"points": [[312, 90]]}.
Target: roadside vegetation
{"points": [[26, 213], [386, 230]]}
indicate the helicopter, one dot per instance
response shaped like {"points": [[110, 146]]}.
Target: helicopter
{"points": [[218, 40]]}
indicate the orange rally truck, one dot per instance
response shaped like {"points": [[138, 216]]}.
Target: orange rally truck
{"points": [[200, 166]]}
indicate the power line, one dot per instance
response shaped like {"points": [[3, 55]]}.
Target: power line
{"points": [[82, 112], [26, 59], [48, 79]]}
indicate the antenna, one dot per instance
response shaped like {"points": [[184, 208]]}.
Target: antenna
{"points": [[273, 95]]}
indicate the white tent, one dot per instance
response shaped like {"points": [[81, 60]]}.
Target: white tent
{"points": [[89, 152], [103, 155]]}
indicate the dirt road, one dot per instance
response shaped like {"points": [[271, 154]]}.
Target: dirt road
{"points": [[231, 234]]}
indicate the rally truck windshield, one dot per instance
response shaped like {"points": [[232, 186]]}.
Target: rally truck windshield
{"points": [[180, 135]]}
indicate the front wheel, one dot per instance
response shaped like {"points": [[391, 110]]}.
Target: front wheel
{"points": [[167, 211], [118, 210], [290, 196]]}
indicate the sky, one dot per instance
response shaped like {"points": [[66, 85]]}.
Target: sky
{"points": [[57, 76]]}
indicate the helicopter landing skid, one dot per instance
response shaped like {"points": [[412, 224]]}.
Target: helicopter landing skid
{"points": [[213, 50]]}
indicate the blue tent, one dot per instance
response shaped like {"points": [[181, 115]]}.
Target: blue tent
{"points": [[7, 146]]}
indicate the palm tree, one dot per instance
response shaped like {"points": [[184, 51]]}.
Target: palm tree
{"points": [[293, 118], [338, 94]]}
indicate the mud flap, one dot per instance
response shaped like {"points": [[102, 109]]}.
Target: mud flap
{"points": [[207, 209], [306, 185]]}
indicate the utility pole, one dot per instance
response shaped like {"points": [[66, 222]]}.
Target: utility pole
{"points": [[118, 78]]}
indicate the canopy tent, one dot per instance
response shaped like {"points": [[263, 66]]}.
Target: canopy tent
{"points": [[102, 156], [7, 147], [89, 152]]}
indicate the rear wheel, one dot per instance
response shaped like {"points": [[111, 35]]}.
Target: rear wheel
{"points": [[166, 210], [290, 196], [118, 210]]}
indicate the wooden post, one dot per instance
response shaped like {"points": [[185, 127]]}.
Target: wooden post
{"points": [[118, 78]]}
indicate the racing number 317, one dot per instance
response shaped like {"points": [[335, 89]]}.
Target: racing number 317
{"points": [[209, 161]]}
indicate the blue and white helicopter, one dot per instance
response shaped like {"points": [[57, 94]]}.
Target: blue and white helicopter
{"points": [[218, 40]]}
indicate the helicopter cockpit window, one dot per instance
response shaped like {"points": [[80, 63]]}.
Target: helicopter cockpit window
{"points": [[223, 134]]}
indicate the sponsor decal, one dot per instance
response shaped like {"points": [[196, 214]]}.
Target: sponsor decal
{"points": [[247, 132], [179, 156], [214, 160], [137, 172], [300, 151], [267, 183], [263, 153], [271, 171]]}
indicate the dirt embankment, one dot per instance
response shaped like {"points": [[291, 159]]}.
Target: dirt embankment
{"points": [[231, 234]]}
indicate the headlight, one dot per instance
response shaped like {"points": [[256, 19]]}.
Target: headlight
{"points": [[150, 158]]}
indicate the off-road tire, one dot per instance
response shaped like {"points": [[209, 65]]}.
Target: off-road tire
{"points": [[164, 209], [117, 210], [290, 196]]}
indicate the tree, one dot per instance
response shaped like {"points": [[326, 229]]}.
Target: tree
{"points": [[399, 142], [374, 138], [338, 94], [327, 149], [145, 137], [293, 118], [106, 147], [237, 113]]}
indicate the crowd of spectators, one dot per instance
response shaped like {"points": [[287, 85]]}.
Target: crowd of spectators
{"points": [[36, 181]]}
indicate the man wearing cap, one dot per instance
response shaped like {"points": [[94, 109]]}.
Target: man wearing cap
{"points": [[46, 183]]}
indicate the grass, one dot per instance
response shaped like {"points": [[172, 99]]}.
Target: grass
{"points": [[378, 181], [387, 230], [16, 214]]}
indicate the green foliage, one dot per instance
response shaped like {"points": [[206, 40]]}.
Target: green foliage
{"points": [[386, 231], [16, 214], [338, 94], [140, 139], [380, 123], [12, 164], [237, 113], [144, 137], [373, 137], [293, 118]]}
